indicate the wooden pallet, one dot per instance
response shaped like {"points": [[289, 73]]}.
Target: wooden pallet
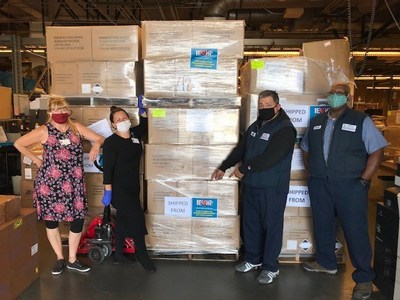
{"points": [[300, 258], [195, 256]]}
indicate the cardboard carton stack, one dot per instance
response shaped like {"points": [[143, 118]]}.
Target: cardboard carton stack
{"points": [[19, 250], [93, 61], [302, 84], [190, 83]]}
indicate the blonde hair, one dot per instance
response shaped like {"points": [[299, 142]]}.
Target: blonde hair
{"points": [[59, 102]]}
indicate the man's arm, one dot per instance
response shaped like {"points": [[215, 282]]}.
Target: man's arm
{"points": [[373, 163]]}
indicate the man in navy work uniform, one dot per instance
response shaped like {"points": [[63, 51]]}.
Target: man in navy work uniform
{"points": [[266, 154], [342, 150]]}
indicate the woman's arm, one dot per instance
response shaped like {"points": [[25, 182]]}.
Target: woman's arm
{"points": [[38, 135], [97, 140]]}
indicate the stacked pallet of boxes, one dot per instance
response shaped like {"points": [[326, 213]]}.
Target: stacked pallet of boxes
{"points": [[190, 83], [95, 67], [19, 256], [302, 84], [392, 135]]}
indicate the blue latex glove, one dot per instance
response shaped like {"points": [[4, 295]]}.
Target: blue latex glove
{"points": [[140, 105], [106, 200]]}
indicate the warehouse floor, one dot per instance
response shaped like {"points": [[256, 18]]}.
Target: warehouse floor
{"points": [[183, 279]]}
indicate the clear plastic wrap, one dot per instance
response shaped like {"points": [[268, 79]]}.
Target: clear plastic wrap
{"points": [[299, 75], [178, 78], [176, 39], [171, 235], [94, 79], [193, 126], [184, 162], [202, 102], [225, 191]]}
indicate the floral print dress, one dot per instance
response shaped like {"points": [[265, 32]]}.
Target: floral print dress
{"points": [[59, 190]]}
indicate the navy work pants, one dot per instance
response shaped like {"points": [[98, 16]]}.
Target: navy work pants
{"points": [[262, 222], [346, 199]]}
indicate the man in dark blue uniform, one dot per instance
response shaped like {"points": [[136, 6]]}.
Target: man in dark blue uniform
{"points": [[342, 150], [266, 154]]}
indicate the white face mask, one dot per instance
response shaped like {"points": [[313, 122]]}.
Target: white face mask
{"points": [[124, 126]]}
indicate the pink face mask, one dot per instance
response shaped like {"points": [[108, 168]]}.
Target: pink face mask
{"points": [[60, 118]]}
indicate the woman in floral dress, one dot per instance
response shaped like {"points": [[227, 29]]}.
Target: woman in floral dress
{"points": [[59, 188]]}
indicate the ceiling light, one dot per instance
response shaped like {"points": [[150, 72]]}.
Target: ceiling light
{"points": [[383, 88], [376, 53], [377, 78], [271, 53]]}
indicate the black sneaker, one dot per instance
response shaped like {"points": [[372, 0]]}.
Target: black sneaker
{"points": [[58, 267], [78, 266]]}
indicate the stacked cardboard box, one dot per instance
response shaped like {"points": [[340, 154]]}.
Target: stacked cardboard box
{"points": [[94, 60], [191, 60], [19, 257]]}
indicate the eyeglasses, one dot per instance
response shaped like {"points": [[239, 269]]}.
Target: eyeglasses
{"points": [[337, 93]]}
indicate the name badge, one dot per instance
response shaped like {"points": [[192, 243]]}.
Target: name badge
{"points": [[65, 142], [135, 140], [265, 136], [253, 134], [317, 127], [349, 127]]}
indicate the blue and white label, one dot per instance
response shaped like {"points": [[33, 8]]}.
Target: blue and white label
{"points": [[204, 58], [349, 127], [204, 207]]}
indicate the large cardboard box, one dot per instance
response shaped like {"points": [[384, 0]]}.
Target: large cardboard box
{"points": [[168, 233], [10, 207], [193, 126], [64, 78], [216, 235], [277, 74], [392, 135], [330, 64], [92, 80], [173, 39], [298, 237], [192, 235], [6, 111], [26, 189], [393, 118], [69, 43], [225, 191], [19, 256], [121, 79], [184, 162], [115, 43], [94, 189], [179, 78]]}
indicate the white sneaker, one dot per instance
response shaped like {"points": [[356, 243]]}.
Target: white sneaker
{"points": [[245, 266], [267, 277]]}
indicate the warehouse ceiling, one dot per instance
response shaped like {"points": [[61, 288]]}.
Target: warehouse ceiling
{"points": [[270, 24]]}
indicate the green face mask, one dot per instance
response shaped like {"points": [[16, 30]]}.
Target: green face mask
{"points": [[336, 100]]}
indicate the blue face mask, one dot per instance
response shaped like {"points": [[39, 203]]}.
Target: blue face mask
{"points": [[336, 100]]}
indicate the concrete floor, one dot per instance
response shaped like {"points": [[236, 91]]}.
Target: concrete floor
{"points": [[193, 280]]}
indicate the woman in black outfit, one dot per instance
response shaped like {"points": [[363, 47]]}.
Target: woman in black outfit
{"points": [[121, 159]]}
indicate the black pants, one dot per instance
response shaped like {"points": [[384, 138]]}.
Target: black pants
{"points": [[348, 200]]}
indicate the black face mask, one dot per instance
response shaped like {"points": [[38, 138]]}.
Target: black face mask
{"points": [[266, 114]]}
